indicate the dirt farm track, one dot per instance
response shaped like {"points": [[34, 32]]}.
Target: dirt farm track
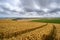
{"points": [[26, 30]]}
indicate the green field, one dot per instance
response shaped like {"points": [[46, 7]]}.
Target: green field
{"points": [[48, 20]]}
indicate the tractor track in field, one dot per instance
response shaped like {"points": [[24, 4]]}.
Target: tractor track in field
{"points": [[20, 32], [54, 32], [57, 32], [51, 35]]}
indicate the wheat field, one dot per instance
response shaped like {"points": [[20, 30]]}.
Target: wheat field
{"points": [[25, 30], [58, 31]]}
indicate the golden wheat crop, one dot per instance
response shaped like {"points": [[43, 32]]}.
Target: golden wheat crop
{"points": [[8, 27], [38, 34], [58, 31], [24, 30]]}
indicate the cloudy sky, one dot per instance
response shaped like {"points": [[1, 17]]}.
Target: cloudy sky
{"points": [[29, 8]]}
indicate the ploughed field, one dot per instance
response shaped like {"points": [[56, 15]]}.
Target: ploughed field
{"points": [[25, 30]]}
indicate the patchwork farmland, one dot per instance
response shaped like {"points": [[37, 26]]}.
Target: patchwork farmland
{"points": [[28, 30]]}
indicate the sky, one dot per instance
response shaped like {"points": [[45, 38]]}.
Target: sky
{"points": [[29, 8]]}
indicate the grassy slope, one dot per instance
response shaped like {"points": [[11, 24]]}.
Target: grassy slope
{"points": [[47, 20]]}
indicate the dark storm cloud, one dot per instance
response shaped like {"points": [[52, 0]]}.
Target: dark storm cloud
{"points": [[55, 10]]}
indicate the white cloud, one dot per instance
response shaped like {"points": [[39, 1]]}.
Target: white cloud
{"points": [[11, 7], [53, 5], [45, 9], [16, 2], [36, 6]]}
